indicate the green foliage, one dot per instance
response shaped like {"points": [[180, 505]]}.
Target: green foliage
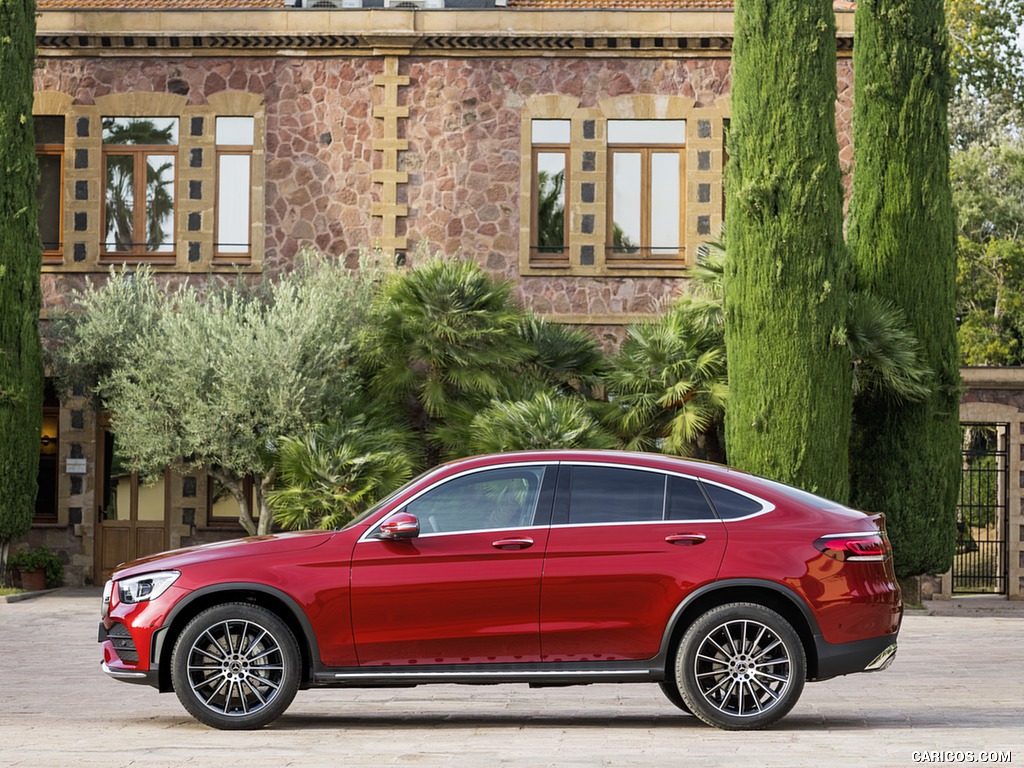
{"points": [[985, 55], [887, 357], [667, 387], [787, 277], [559, 356], [988, 189], [21, 369], [445, 340], [216, 374], [39, 559], [335, 470], [547, 420], [906, 456]]}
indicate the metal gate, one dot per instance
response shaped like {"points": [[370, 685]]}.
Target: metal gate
{"points": [[980, 564]]}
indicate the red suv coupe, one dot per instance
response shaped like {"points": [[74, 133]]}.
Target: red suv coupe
{"points": [[548, 568]]}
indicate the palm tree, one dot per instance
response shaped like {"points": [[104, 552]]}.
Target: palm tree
{"points": [[566, 358], [445, 342], [547, 420], [667, 387], [336, 470]]}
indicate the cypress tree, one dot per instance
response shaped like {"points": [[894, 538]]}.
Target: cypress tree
{"points": [[21, 370], [906, 457], [787, 275]]}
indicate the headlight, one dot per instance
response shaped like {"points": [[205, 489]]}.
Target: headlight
{"points": [[149, 586], [108, 588]]}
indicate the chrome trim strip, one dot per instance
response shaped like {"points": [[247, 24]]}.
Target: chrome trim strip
{"points": [[882, 660], [537, 463], [386, 672], [122, 674]]}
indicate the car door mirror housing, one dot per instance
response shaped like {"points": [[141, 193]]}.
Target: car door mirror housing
{"points": [[400, 526]]}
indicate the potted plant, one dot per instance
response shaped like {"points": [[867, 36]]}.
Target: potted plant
{"points": [[38, 568]]}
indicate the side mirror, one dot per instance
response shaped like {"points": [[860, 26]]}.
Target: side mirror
{"points": [[400, 526]]}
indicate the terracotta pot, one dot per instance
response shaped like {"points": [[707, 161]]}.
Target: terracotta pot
{"points": [[33, 581]]}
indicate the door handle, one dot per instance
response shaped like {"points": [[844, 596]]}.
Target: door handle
{"points": [[686, 539], [510, 544]]}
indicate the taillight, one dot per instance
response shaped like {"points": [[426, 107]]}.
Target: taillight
{"points": [[855, 547]]}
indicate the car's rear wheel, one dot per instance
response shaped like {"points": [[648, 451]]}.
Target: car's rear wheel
{"points": [[236, 666], [740, 666]]}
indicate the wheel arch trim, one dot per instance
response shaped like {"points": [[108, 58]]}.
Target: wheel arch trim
{"points": [[307, 641], [674, 623]]}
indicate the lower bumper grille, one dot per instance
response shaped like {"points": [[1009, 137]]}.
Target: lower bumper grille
{"points": [[124, 645]]}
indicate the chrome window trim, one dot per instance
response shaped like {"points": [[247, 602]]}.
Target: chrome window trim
{"points": [[366, 536], [766, 506]]}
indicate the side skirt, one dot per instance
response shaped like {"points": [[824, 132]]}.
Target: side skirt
{"points": [[536, 675]]}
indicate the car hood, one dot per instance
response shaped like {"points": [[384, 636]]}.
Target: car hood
{"points": [[251, 546]]}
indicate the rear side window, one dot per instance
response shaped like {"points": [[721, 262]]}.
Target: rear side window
{"points": [[731, 505], [611, 495], [686, 501]]}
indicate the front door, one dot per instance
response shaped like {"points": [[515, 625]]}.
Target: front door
{"points": [[132, 515], [467, 589]]}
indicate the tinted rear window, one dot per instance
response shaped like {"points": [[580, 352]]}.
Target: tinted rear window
{"points": [[611, 495], [686, 501], [805, 497], [731, 505]]}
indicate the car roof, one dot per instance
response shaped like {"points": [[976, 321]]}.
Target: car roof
{"points": [[627, 458]]}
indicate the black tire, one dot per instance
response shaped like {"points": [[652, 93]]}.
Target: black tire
{"points": [[740, 666], [236, 667], [671, 690]]}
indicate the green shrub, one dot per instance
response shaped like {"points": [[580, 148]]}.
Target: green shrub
{"points": [[39, 558]]}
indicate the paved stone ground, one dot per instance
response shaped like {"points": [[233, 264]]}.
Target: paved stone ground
{"points": [[957, 685]]}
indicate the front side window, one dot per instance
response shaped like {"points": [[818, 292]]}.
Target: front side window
{"points": [[50, 191], [645, 201], [550, 162], [234, 181], [139, 157], [497, 498]]}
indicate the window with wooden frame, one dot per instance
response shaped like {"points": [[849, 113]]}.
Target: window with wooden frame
{"points": [[222, 505], [140, 156], [49, 130], [550, 179], [232, 236], [646, 176]]}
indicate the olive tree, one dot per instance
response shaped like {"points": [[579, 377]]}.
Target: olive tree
{"points": [[211, 377]]}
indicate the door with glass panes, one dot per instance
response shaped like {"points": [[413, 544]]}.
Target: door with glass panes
{"points": [[132, 514]]}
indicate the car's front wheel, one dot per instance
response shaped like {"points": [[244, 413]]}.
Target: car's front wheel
{"points": [[236, 666], [740, 666]]}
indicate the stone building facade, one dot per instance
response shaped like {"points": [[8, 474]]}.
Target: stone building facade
{"points": [[397, 129]]}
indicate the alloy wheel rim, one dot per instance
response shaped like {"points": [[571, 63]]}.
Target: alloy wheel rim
{"points": [[235, 667], [742, 668]]}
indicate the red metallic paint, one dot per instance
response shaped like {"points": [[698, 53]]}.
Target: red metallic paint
{"points": [[578, 593]]}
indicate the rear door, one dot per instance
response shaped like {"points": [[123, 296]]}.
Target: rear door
{"points": [[626, 546]]}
